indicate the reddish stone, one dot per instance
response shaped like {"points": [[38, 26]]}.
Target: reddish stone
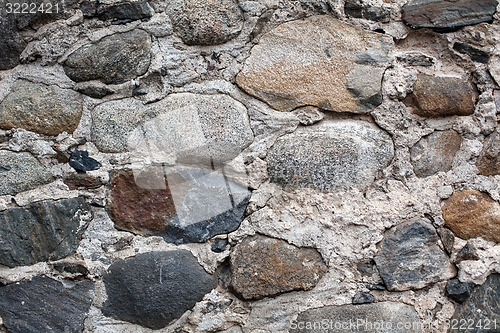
{"points": [[81, 180]]}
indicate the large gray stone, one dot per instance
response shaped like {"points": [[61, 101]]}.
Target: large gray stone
{"points": [[330, 156], [21, 172], [318, 61], [155, 288], [114, 59], [45, 305], [11, 43], [41, 108], [42, 231], [383, 317], [410, 257]]}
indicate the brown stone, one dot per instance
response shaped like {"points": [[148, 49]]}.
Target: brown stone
{"points": [[81, 180], [471, 214], [488, 162], [263, 266], [440, 96]]}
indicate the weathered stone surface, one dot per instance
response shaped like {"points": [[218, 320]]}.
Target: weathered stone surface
{"points": [[11, 43], [447, 238], [45, 305], [458, 291], [263, 267], [153, 289], [95, 89], [483, 306], [205, 22], [330, 156], [340, 69], [435, 152], [488, 162], [114, 59], [368, 12], [475, 54], [45, 109], [183, 127], [42, 231], [410, 257], [440, 96], [447, 15], [494, 68], [362, 298], [81, 180], [471, 214], [359, 318], [468, 252], [308, 115], [21, 172], [80, 161], [124, 12], [181, 204]]}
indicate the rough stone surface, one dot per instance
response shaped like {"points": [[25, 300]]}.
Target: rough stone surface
{"points": [[368, 12], [181, 204], [468, 252], [11, 43], [447, 15], [475, 54], [82, 180], [45, 109], [184, 127], [124, 12], [42, 231], [362, 298], [410, 257], [435, 153], [441, 96], [205, 22], [458, 291], [114, 59], [482, 305], [263, 267], [339, 69], [45, 305], [471, 214], [80, 161], [330, 156], [95, 89], [389, 313], [153, 289], [488, 162], [21, 172]]}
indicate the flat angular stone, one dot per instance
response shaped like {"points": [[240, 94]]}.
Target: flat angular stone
{"points": [[488, 162], [458, 291], [435, 153], [11, 44], [45, 305], [410, 257], [207, 22], [114, 59], [330, 156], [447, 15], [124, 12], [363, 298], [155, 288], [339, 69], [21, 172], [41, 231], [475, 54], [471, 214], [265, 267], [41, 108], [382, 317], [80, 161], [359, 10]]}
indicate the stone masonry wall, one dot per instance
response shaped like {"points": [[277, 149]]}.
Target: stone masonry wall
{"points": [[249, 166]]}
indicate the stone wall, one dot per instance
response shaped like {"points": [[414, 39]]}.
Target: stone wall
{"points": [[250, 166]]}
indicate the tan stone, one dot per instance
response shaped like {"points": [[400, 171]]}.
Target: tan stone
{"points": [[471, 214]]}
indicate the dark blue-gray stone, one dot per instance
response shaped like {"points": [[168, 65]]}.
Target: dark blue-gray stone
{"points": [[80, 161], [11, 42], [458, 291]]}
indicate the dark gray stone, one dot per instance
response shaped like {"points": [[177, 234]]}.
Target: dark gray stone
{"points": [[410, 257], [80, 161], [483, 306], [114, 59], [42, 231], [458, 291], [155, 288], [416, 59], [359, 10], [447, 238], [124, 12], [94, 89], [468, 252], [362, 298], [475, 54], [219, 245], [11, 43], [45, 305]]}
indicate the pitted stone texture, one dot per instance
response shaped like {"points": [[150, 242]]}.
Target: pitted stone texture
{"points": [[265, 267], [458, 291], [21, 172], [410, 257], [181, 204], [482, 306], [45, 109], [124, 12], [435, 153], [366, 315], [114, 59], [183, 127], [330, 156], [205, 22], [441, 96], [317, 61], [45, 305], [448, 14], [155, 288], [42, 231], [488, 162], [11, 44], [471, 214]]}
